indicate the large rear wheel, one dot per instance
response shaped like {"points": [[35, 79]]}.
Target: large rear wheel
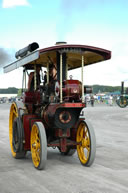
{"points": [[38, 145], [86, 148], [122, 102], [16, 130]]}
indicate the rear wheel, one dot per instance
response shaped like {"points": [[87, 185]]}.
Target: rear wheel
{"points": [[16, 131], [122, 102], [38, 145], [87, 143]]}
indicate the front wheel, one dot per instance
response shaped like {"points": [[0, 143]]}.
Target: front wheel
{"points": [[86, 148], [38, 145]]}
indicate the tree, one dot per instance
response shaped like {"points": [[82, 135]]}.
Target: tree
{"points": [[19, 92]]}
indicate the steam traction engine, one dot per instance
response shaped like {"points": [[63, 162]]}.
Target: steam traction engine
{"points": [[50, 114], [122, 100]]}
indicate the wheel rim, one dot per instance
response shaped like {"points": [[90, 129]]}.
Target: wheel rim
{"points": [[83, 139], [13, 115], [35, 145], [123, 102]]}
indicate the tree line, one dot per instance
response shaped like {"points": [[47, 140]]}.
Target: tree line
{"points": [[96, 89], [10, 90], [102, 89]]}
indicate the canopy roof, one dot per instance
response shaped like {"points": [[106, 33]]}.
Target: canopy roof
{"points": [[73, 54]]}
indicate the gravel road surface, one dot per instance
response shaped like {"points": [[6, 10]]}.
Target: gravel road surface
{"points": [[108, 174]]}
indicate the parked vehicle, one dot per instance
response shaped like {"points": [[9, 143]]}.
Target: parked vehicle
{"points": [[122, 100]]}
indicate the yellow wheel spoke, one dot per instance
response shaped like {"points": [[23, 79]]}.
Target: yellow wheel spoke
{"points": [[88, 148], [83, 157], [38, 156], [86, 143], [14, 113], [81, 133], [86, 132], [37, 146]]}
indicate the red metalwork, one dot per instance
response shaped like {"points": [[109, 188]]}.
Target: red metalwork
{"points": [[63, 144], [72, 90], [62, 133], [32, 97], [28, 121], [75, 105]]}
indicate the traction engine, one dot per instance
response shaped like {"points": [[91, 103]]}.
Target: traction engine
{"points": [[51, 115]]}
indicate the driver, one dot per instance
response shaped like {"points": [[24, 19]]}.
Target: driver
{"points": [[52, 72], [52, 80]]}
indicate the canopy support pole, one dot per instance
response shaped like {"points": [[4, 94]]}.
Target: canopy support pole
{"points": [[66, 70], [47, 73], [82, 78], [61, 94], [23, 81], [35, 81]]}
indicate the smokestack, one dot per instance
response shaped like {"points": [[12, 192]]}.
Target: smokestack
{"points": [[60, 43], [122, 87], [23, 52]]}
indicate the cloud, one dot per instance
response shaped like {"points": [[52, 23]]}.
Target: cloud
{"points": [[110, 72], [13, 3]]}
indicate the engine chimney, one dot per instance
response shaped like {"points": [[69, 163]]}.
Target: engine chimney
{"points": [[60, 43], [30, 48]]}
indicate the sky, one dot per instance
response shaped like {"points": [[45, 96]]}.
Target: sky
{"points": [[99, 23]]}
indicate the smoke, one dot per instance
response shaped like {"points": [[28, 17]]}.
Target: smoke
{"points": [[5, 57]]}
